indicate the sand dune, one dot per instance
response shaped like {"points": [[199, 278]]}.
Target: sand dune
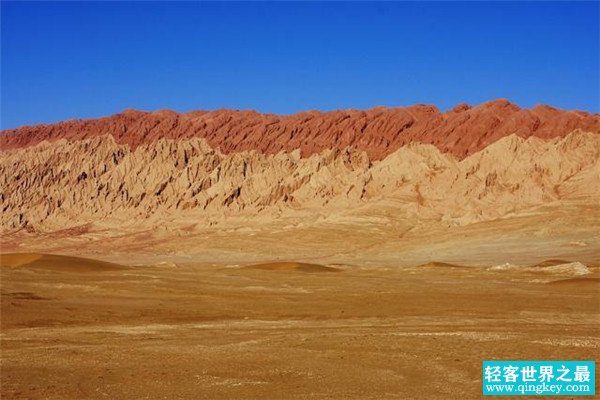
{"points": [[437, 264], [57, 263], [550, 263], [18, 259], [293, 266], [574, 283]]}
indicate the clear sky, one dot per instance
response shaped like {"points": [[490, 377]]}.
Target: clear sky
{"points": [[78, 60]]}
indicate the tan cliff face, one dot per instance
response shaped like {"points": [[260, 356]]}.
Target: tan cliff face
{"points": [[379, 132], [63, 184]]}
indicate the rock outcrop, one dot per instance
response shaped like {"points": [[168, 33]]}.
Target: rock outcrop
{"points": [[378, 132], [67, 183]]}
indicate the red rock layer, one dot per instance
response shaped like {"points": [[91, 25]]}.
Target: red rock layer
{"points": [[378, 131]]}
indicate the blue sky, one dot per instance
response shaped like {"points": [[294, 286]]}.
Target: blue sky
{"points": [[78, 60]]}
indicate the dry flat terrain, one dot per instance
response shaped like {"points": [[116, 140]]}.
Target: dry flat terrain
{"points": [[74, 328]]}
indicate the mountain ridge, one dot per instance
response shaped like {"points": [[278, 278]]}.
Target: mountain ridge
{"points": [[169, 180], [379, 131]]}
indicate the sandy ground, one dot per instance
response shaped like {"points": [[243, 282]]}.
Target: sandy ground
{"points": [[370, 236], [75, 329], [177, 313]]}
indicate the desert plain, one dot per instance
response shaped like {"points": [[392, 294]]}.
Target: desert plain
{"points": [[344, 325]]}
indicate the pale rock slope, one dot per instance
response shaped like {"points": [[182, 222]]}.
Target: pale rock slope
{"points": [[64, 184]]}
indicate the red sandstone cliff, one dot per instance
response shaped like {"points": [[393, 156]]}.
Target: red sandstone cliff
{"points": [[378, 131]]}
